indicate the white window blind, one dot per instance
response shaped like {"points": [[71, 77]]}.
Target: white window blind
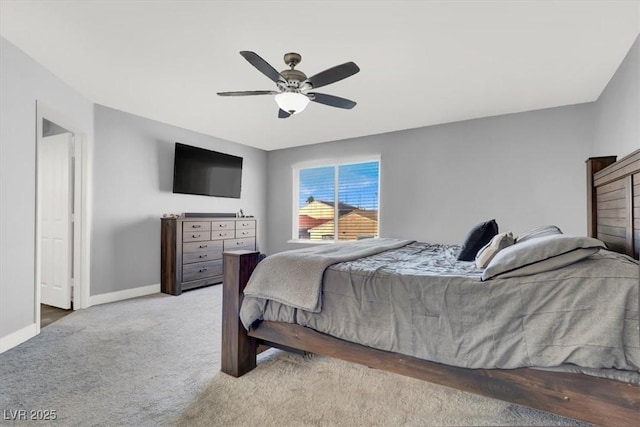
{"points": [[338, 202]]}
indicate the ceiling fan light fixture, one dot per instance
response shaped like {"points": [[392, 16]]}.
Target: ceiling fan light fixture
{"points": [[292, 102], [293, 86]]}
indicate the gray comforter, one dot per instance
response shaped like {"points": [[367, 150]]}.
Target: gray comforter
{"points": [[294, 278], [418, 300]]}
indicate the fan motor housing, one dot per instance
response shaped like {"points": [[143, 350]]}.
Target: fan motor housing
{"points": [[294, 75]]}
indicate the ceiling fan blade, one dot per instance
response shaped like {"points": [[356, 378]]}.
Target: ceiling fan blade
{"points": [[283, 114], [334, 101], [248, 92], [262, 66], [333, 74]]}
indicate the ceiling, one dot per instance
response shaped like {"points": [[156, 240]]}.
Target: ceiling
{"points": [[422, 62]]}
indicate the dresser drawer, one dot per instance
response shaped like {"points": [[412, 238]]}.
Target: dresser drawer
{"points": [[201, 251], [222, 234], [245, 224], [222, 225], [196, 226], [245, 232], [202, 247], [195, 236], [201, 270], [191, 257], [248, 244]]}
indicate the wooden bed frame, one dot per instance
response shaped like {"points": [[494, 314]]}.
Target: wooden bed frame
{"points": [[613, 216]]}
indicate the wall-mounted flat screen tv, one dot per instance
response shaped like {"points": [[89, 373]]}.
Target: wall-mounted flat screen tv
{"points": [[206, 172]]}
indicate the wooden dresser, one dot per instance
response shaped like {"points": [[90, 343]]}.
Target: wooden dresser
{"points": [[191, 249]]}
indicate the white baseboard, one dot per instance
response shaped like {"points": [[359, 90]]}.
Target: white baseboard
{"points": [[17, 337], [125, 294], [28, 332]]}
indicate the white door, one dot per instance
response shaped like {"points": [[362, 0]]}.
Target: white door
{"points": [[55, 198]]}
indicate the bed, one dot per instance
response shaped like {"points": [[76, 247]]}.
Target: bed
{"points": [[613, 203]]}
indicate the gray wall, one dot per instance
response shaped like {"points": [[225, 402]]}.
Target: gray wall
{"points": [[524, 170], [22, 82], [617, 111], [132, 188]]}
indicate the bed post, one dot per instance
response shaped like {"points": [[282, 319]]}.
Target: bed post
{"points": [[594, 165], [238, 348]]}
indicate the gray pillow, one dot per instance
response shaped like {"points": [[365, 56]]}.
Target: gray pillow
{"points": [[479, 236], [498, 243], [547, 230], [540, 254]]}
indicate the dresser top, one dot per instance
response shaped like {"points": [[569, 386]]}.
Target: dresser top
{"points": [[208, 218]]}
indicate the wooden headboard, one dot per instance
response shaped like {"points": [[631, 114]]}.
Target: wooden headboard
{"points": [[613, 202]]}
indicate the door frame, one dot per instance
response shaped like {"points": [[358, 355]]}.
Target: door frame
{"points": [[81, 238]]}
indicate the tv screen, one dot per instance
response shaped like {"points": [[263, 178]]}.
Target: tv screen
{"points": [[205, 172]]}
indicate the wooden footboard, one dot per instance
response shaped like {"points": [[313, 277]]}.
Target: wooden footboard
{"points": [[582, 397], [595, 400]]}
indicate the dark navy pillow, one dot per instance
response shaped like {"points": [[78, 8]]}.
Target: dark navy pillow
{"points": [[479, 236]]}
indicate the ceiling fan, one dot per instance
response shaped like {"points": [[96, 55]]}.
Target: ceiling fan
{"points": [[293, 93]]}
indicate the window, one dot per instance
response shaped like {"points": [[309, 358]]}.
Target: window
{"points": [[355, 187]]}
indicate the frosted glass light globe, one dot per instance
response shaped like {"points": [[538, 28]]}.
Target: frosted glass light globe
{"points": [[292, 102]]}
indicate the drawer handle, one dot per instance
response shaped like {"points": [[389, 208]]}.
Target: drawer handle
{"points": [[239, 243], [202, 270], [222, 225], [195, 236], [204, 246], [222, 234], [244, 233], [196, 226], [203, 256]]}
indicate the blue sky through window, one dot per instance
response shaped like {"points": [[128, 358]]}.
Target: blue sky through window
{"points": [[358, 184], [317, 183]]}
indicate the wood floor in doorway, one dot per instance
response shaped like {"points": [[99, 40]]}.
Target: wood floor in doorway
{"points": [[49, 314]]}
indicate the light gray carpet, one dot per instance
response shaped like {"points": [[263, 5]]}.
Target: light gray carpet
{"points": [[154, 361]]}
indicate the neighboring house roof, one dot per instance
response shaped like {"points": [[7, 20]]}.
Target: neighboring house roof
{"points": [[372, 215], [341, 206], [305, 221], [323, 228], [317, 209], [323, 209], [356, 223]]}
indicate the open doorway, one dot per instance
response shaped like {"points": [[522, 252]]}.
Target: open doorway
{"points": [[61, 259]]}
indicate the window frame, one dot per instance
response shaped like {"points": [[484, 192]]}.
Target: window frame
{"points": [[335, 163]]}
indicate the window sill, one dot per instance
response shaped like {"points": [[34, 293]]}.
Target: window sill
{"points": [[323, 242], [311, 242]]}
